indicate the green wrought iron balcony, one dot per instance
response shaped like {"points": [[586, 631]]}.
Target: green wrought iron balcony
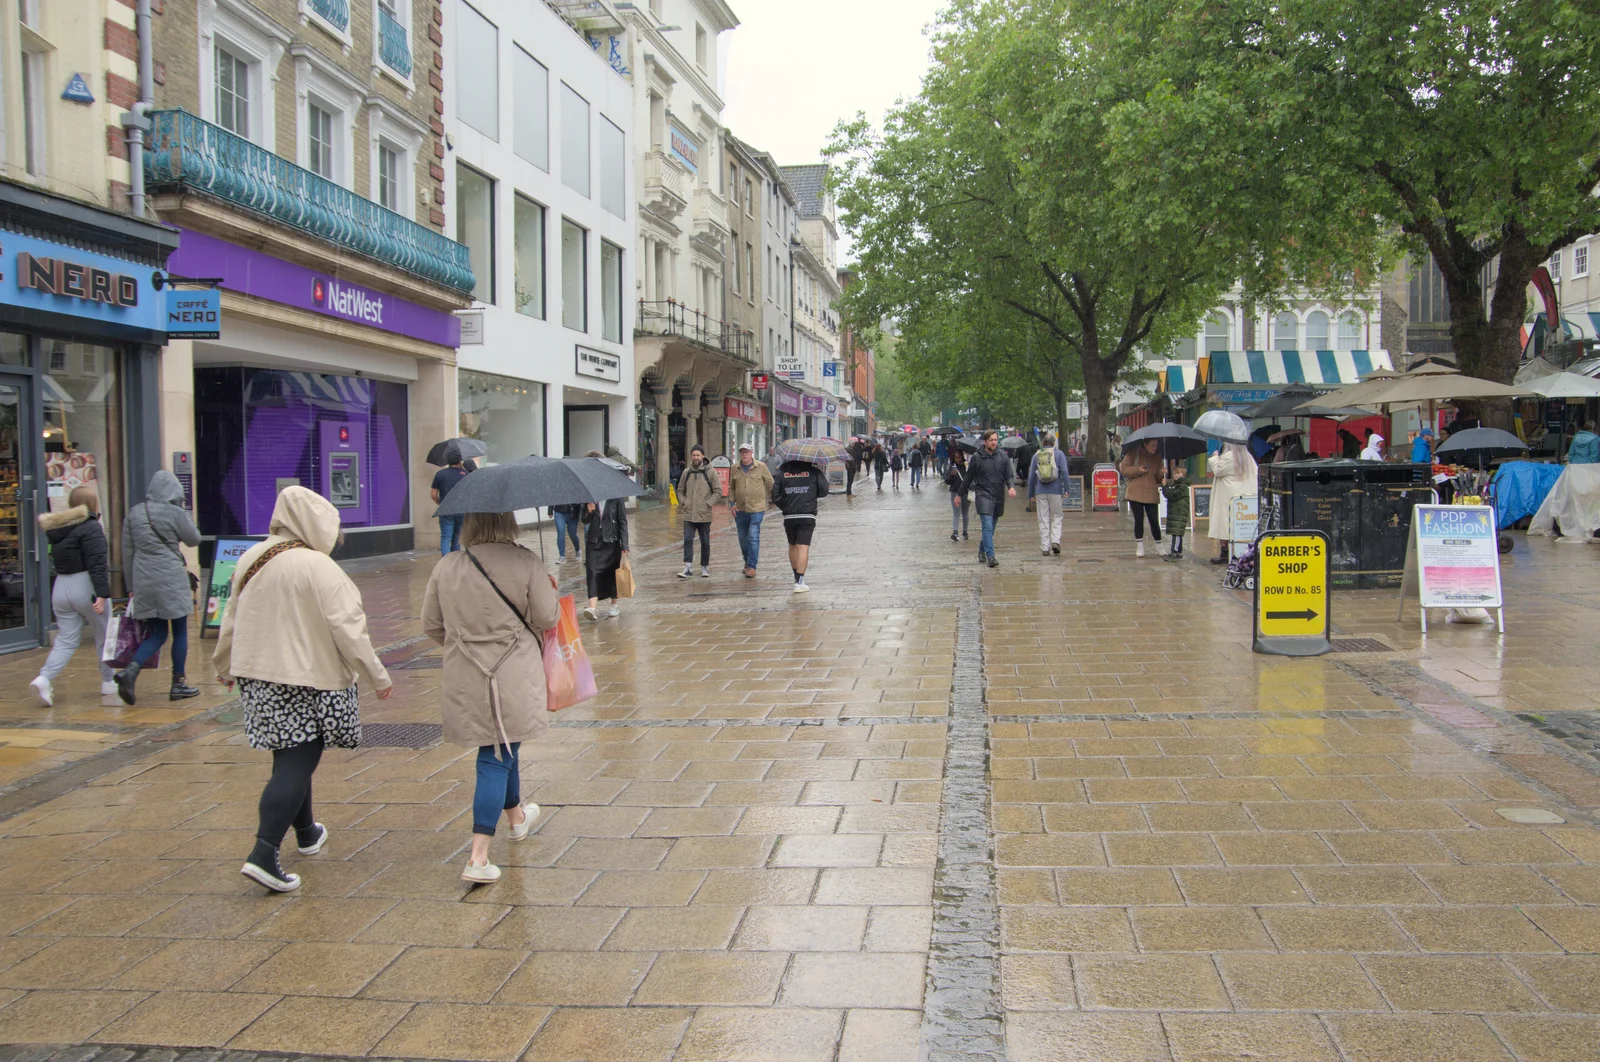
{"points": [[187, 154], [334, 12], [393, 48]]}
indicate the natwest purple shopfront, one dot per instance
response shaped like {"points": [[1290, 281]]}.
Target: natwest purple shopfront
{"points": [[313, 382]]}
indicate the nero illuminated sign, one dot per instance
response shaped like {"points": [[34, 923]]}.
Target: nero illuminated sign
{"points": [[41, 275]]}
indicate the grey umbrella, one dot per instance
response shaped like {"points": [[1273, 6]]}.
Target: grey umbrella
{"points": [[538, 481], [1178, 441], [1222, 425], [439, 452]]}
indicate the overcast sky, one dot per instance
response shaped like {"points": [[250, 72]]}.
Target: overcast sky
{"points": [[796, 67]]}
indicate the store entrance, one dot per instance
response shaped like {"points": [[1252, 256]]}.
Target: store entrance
{"points": [[19, 501]]}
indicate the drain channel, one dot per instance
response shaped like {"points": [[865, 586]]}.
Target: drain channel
{"points": [[961, 1014]]}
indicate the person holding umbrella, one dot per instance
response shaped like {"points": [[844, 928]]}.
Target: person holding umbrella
{"points": [[992, 479], [1233, 475], [1141, 467], [444, 481]]}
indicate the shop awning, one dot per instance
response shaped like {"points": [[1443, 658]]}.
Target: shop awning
{"points": [[1292, 366]]}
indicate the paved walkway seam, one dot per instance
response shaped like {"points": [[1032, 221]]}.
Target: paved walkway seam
{"points": [[962, 1015]]}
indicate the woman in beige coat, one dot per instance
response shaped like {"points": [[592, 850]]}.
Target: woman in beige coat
{"points": [[489, 605], [294, 637], [1233, 475]]}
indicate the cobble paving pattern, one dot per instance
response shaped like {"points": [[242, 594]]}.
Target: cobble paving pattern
{"points": [[1053, 811]]}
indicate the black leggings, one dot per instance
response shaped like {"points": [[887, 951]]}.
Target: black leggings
{"points": [[703, 529], [1142, 510], [286, 799]]}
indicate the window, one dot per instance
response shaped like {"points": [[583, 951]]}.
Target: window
{"points": [[1285, 332], [530, 83], [34, 96], [611, 291], [475, 227], [1185, 349], [477, 71], [1580, 260], [233, 93], [1430, 302], [613, 169], [1317, 331], [574, 140], [699, 46], [1216, 333], [319, 141], [733, 279], [574, 276], [749, 198], [1555, 267], [528, 250], [1349, 330], [750, 270], [389, 177], [733, 178]]}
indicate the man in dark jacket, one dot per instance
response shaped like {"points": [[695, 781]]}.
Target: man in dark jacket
{"points": [[857, 450], [991, 478], [798, 486]]}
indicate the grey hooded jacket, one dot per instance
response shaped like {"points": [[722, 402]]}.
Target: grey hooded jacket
{"points": [[152, 563]]}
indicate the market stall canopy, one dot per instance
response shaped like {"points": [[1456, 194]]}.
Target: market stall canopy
{"points": [[1357, 394], [1563, 385], [1294, 366], [1301, 402], [1440, 387]]}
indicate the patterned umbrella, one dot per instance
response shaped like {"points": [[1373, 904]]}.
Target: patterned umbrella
{"points": [[817, 451]]}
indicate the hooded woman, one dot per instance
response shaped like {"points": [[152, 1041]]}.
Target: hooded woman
{"points": [[484, 605], [160, 589], [295, 639], [79, 554], [1233, 475]]}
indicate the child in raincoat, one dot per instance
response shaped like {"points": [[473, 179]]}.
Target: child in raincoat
{"points": [[1176, 490]]}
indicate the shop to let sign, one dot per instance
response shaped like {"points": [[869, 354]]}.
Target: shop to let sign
{"points": [[1292, 605]]}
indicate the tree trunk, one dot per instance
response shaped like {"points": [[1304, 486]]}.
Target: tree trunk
{"points": [[1489, 346], [1061, 414], [1097, 383]]}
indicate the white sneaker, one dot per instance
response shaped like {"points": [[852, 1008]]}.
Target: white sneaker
{"points": [[530, 811], [1140, 551], [613, 612], [108, 689], [801, 587], [705, 573], [45, 692], [480, 874], [590, 613], [687, 573]]}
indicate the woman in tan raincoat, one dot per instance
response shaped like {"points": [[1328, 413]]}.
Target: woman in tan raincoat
{"points": [[489, 605]]}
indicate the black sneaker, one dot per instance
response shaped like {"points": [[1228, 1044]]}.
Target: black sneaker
{"points": [[992, 562], [952, 536], [311, 843], [265, 870], [1055, 547]]}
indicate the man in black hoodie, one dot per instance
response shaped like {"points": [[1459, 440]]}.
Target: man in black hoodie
{"points": [[795, 491]]}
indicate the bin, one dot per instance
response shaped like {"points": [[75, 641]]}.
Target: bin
{"points": [[1364, 508]]}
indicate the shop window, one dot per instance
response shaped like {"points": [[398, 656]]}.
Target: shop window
{"points": [[574, 141], [529, 251], [475, 227], [477, 71], [613, 169], [14, 349], [82, 430], [611, 290], [530, 135], [574, 276], [505, 414]]}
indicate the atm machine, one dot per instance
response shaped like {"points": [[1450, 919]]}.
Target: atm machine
{"points": [[342, 453]]}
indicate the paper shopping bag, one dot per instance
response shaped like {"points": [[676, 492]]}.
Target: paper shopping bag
{"points": [[568, 676], [625, 578]]}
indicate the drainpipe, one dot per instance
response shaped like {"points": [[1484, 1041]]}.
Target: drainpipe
{"points": [[137, 120]]}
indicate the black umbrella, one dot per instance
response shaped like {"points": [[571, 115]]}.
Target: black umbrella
{"points": [[538, 481], [950, 430], [1013, 442], [439, 452], [1178, 441], [1479, 446], [967, 444]]}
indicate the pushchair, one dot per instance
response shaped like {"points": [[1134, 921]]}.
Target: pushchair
{"points": [[1241, 569]]}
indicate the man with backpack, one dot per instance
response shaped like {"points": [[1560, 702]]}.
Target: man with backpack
{"points": [[1047, 483], [699, 490]]}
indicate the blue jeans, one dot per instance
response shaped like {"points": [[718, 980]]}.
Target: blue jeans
{"points": [[157, 637], [986, 547], [499, 787], [749, 527], [567, 525], [916, 475], [449, 534]]}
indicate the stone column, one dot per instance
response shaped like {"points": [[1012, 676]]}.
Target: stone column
{"points": [[434, 416]]}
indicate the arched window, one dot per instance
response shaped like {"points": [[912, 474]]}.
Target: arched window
{"points": [[1216, 332], [1285, 332], [1349, 330], [1317, 331]]}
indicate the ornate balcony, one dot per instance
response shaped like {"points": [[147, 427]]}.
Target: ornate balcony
{"points": [[710, 219], [673, 318], [665, 185], [336, 13], [188, 155], [393, 47]]}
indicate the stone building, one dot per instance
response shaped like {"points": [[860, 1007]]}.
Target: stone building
{"points": [[816, 366]]}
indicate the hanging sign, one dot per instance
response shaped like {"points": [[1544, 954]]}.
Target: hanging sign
{"points": [[1453, 560], [194, 314], [1292, 605]]}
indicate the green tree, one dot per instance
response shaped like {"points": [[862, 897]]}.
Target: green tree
{"points": [[1470, 127]]}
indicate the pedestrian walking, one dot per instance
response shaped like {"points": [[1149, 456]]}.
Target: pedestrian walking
{"points": [[699, 490], [880, 463], [489, 608], [853, 466], [1047, 483], [941, 455], [81, 595], [1141, 469], [160, 586], [607, 540], [991, 479], [799, 485], [751, 494], [444, 481], [917, 458], [1176, 490], [1233, 475], [567, 519], [955, 475], [294, 638]]}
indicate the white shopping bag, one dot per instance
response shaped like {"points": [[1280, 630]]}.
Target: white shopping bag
{"points": [[108, 651]]}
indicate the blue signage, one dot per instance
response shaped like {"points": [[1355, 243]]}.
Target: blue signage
{"points": [[1243, 394], [40, 275], [194, 314], [77, 90], [830, 368]]}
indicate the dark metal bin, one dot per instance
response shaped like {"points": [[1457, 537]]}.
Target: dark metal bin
{"points": [[1364, 507]]}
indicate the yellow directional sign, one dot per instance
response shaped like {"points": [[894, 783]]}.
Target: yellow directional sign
{"points": [[1292, 603]]}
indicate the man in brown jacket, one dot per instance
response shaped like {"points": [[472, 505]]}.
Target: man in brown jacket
{"points": [[699, 490], [752, 493]]}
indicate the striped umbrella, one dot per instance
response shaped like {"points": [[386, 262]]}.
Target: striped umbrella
{"points": [[817, 451]]}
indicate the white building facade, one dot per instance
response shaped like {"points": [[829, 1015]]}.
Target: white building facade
{"points": [[825, 394], [540, 172]]}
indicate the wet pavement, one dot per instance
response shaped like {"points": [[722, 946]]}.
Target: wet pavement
{"points": [[1053, 811]]}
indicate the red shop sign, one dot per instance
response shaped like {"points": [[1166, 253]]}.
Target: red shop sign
{"points": [[745, 409], [1106, 482], [758, 381]]}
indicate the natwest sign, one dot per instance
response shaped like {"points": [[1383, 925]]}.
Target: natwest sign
{"points": [[744, 409], [344, 299]]}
